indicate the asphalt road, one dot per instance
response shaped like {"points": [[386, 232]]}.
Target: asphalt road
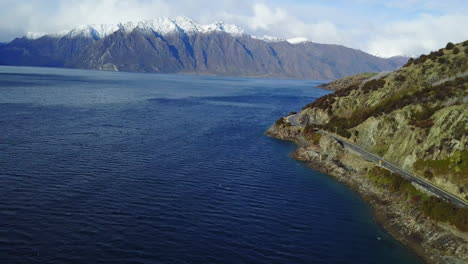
{"points": [[390, 166], [292, 119]]}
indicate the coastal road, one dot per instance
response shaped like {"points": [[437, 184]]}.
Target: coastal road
{"points": [[390, 166]]}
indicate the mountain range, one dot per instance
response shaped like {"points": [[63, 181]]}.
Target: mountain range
{"points": [[181, 45]]}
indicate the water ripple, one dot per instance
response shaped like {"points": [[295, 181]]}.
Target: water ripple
{"points": [[134, 168]]}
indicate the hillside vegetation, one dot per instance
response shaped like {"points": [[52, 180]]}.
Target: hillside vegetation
{"points": [[348, 81], [416, 117]]}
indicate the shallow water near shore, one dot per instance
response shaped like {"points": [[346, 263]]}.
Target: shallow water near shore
{"points": [[104, 167]]}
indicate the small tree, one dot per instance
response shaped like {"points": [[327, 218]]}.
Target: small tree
{"points": [[450, 46]]}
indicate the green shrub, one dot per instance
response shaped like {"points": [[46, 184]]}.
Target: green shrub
{"points": [[356, 133], [432, 207], [433, 55], [400, 78], [380, 149], [373, 85], [428, 174], [428, 123], [456, 50], [409, 62], [282, 122], [442, 211], [422, 119], [421, 59], [308, 130], [326, 102], [442, 60], [386, 179], [321, 103], [455, 165], [279, 122], [312, 135], [450, 46], [425, 114]]}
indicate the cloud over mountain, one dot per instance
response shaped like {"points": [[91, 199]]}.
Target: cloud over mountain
{"points": [[384, 28]]}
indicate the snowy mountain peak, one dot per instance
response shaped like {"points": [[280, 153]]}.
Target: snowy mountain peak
{"points": [[228, 28], [297, 40], [267, 38], [83, 31], [34, 35], [162, 26]]}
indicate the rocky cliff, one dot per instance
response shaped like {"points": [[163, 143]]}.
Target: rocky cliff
{"points": [[416, 117]]}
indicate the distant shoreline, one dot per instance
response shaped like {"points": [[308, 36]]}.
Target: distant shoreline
{"points": [[211, 75]]}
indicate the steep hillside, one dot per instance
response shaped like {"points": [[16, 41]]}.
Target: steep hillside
{"points": [[183, 46], [348, 81], [415, 117]]}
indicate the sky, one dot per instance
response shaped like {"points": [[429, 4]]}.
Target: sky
{"points": [[382, 28]]}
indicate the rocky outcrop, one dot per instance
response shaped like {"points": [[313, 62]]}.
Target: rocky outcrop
{"points": [[416, 117], [436, 242]]}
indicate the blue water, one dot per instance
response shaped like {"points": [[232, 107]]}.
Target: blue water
{"points": [[101, 167]]}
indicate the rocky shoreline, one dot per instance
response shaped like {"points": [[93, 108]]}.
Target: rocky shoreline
{"points": [[435, 243]]}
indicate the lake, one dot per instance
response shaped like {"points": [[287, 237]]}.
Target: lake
{"points": [[105, 167]]}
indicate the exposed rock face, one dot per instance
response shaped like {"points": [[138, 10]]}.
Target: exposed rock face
{"points": [[212, 53], [435, 242], [416, 117]]}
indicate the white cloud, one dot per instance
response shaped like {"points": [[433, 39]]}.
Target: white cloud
{"points": [[437, 5], [265, 17], [68, 14], [411, 37], [362, 24], [278, 22], [418, 36]]}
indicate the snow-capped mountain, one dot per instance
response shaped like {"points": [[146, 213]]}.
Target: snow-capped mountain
{"points": [[162, 26], [297, 40], [267, 38], [292, 41], [181, 45]]}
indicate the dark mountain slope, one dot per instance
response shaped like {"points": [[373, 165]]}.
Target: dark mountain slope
{"points": [[215, 53]]}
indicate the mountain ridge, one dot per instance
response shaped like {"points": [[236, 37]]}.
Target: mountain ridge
{"points": [[183, 46], [162, 25]]}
